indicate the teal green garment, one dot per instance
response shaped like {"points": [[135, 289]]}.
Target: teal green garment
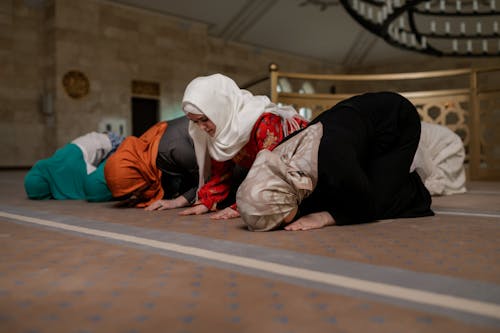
{"points": [[63, 176], [95, 186]]}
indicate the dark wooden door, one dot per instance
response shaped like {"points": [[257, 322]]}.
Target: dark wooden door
{"points": [[144, 114]]}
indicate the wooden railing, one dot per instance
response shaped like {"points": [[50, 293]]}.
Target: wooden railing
{"points": [[465, 100]]}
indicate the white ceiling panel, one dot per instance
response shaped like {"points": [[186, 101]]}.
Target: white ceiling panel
{"points": [[286, 25], [305, 30]]}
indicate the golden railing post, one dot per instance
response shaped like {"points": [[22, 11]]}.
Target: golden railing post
{"points": [[273, 71]]}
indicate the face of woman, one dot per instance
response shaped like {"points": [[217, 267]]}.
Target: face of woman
{"points": [[203, 123]]}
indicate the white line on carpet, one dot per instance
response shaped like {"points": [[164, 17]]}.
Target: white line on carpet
{"points": [[463, 213], [409, 294]]}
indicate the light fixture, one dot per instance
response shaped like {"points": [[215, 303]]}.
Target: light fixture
{"points": [[460, 28]]}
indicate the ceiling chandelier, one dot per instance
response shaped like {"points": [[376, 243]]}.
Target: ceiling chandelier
{"points": [[460, 28]]}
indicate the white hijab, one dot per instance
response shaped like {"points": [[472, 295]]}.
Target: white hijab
{"points": [[234, 112]]}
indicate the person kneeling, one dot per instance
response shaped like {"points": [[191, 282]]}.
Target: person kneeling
{"points": [[350, 165]]}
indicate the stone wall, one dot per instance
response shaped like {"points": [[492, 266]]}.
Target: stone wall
{"points": [[112, 45], [25, 131]]}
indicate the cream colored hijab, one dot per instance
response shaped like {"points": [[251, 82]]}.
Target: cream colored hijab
{"points": [[279, 180], [234, 112]]}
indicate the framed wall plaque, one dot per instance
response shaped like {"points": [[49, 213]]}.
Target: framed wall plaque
{"points": [[76, 84]]}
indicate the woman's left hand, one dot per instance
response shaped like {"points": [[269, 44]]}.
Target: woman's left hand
{"points": [[197, 209], [226, 213]]}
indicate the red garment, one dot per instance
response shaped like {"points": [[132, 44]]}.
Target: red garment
{"points": [[266, 134]]}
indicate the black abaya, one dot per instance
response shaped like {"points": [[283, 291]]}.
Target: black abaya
{"points": [[364, 159]]}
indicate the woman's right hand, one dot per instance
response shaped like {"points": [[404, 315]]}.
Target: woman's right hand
{"points": [[197, 209], [178, 202], [225, 214]]}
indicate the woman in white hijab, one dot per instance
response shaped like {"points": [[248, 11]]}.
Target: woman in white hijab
{"points": [[350, 165], [229, 126]]}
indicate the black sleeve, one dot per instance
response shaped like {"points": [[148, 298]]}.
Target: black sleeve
{"points": [[190, 194], [346, 190], [343, 188], [177, 161]]}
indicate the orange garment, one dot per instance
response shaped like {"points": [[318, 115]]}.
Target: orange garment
{"points": [[133, 166]]}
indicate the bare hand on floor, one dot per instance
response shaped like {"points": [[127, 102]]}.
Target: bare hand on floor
{"points": [[311, 221], [178, 202], [197, 209], [226, 213]]}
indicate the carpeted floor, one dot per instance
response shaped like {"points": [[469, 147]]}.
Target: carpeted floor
{"points": [[73, 266]]}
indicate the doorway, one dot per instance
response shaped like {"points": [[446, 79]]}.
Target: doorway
{"points": [[144, 114]]}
